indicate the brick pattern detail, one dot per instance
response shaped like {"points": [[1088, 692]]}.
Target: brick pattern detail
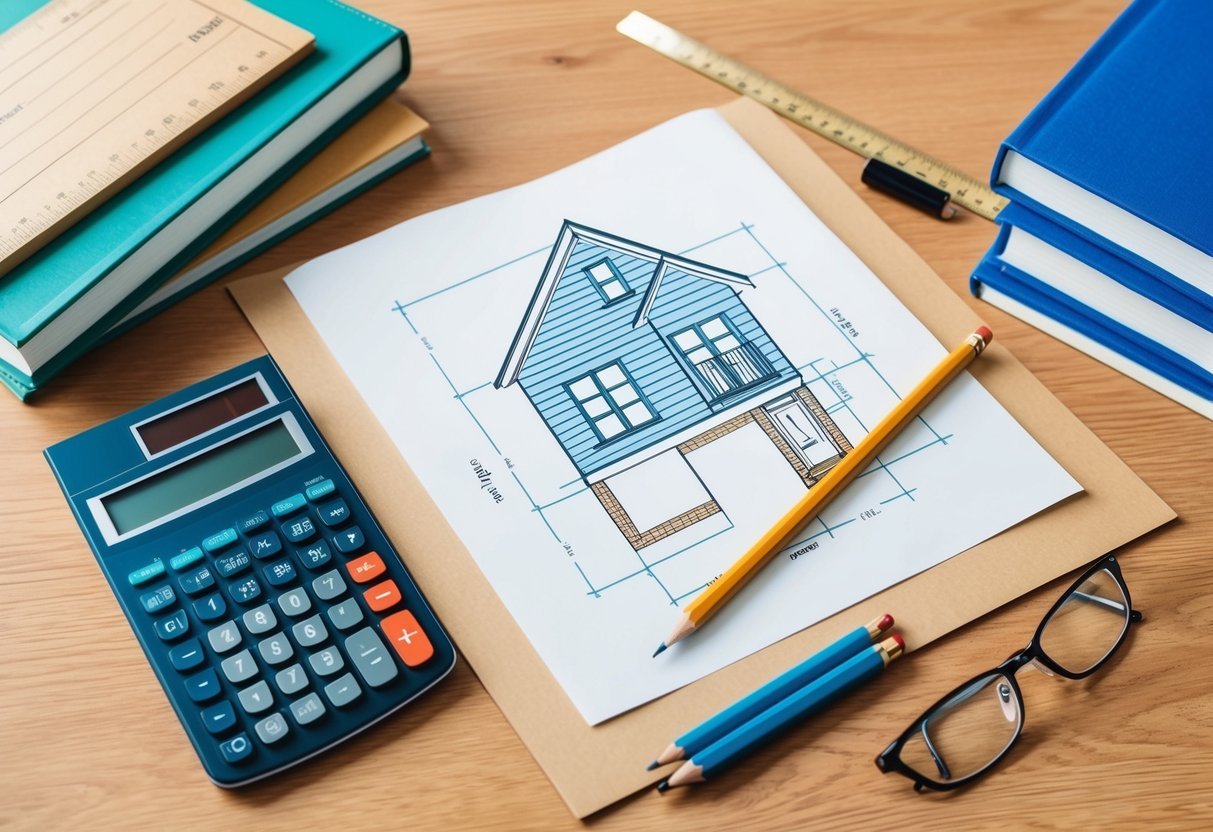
{"points": [[638, 540], [715, 433]]}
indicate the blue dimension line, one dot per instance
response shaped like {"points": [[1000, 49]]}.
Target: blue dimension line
{"points": [[455, 390], [562, 499], [484, 273], [474, 389], [726, 234], [571, 482], [592, 591], [404, 314], [826, 531], [535, 507], [660, 561]]}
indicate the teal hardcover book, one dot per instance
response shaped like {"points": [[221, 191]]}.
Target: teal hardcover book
{"points": [[57, 304]]}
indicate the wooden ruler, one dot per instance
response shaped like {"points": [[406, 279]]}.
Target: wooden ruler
{"points": [[95, 92], [821, 118]]}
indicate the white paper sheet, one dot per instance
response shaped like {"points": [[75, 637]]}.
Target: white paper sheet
{"points": [[427, 317]]}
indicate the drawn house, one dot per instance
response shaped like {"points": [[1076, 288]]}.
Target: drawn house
{"points": [[628, 353]]}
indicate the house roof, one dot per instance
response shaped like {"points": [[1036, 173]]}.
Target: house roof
{"points": [[566, 241]]}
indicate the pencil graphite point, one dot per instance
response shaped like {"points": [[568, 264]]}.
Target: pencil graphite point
{"points": [[652, 765], [663, 786], [659, 650]]}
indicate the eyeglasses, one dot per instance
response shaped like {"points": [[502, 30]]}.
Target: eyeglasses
{"points": [[965, 733]]}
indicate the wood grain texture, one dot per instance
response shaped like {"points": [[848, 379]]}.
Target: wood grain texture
{"points": [[515, 90]]}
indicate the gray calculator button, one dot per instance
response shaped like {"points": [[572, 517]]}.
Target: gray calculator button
{"points": [[343, 691], [371, 658], [272, 728], [276, 649], [260, 620], [329, 585], [239, 667], [308, 709], [256, 698], [225, 637], [346, 614], [291, 679], [295, 602], [311, 632], [327, 662]]}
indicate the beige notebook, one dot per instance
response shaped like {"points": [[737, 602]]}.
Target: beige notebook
{"points": [[593, 766], [93, 93]]}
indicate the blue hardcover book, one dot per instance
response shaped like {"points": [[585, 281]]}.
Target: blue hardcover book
{"points": [[1073, 265], [58, 303], [1117, 152], [1103, 338]]}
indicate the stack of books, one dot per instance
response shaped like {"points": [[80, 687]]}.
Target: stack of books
{"points": [[305, 142], [1107, 243]]}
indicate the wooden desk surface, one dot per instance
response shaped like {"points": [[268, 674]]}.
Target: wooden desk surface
{"points": [[515, 90]]}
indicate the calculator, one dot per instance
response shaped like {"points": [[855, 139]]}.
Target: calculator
{"points": [[271, 606]]}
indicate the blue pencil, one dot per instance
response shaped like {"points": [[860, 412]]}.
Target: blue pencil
{"points": [[782, 686], [774, 721]]}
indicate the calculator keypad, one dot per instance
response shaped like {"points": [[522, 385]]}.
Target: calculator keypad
{"points": [[282, 646]]}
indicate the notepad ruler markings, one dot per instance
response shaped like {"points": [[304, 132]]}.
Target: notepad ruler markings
{"points": [[824, 120], [91, 92]]}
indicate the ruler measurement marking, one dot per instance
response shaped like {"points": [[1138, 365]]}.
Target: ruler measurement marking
{"points": [[815, 115]]}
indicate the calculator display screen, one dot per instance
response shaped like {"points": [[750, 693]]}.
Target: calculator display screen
{"points": [[200, 477], [197, 418]]}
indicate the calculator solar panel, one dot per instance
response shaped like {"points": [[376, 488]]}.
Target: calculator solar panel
{"points": [[273, 610]]}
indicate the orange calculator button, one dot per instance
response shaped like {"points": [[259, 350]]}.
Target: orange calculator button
{"points": [[366, 568], [405, 634], [382, 596]]}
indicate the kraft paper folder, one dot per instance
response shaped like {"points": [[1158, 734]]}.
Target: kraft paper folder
{"points": [[593, 767]]}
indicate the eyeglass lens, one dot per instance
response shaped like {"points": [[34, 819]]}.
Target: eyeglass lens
{"points": [[1087, 625], [967, 733]]}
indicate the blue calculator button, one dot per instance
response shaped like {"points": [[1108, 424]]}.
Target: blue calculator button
{"points": [[288, 506], [197, 581], [158, 600], [316, 555], [232, 564], [219, 718], [187, 655], [220, 540], [173, 627], [299, 529], [251, 524], [210, 608], [245, 591], [349, 541], [146, 573], [320, 490], [265, 545], [187, 558], [236, 750], [280, 573], [203, 687], [334, 512]]}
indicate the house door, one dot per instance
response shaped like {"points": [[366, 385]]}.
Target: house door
{"points": [[800, 428]]}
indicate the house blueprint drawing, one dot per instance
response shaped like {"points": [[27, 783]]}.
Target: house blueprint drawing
{"points": [[614, 378]]}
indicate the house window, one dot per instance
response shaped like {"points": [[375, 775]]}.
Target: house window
{"points": [[611, 401], [608, 280], [722, 362]]}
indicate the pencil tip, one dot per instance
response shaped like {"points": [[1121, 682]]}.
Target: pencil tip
{"points": [[659, 650], [663, 786], [652, 765]]}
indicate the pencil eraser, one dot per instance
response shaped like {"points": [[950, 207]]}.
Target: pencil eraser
{"points": [[986, 334], [885, 623], [901, 642]]}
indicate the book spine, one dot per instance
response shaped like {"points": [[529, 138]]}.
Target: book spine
{"points": [[1020, 139]]}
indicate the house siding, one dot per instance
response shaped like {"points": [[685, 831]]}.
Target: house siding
{"points": [[580, 334]]}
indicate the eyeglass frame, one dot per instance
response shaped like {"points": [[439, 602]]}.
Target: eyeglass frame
{"points": [[890, 760]]}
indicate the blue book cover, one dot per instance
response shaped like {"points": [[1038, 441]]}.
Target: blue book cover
{"points": [[1021, 287], [35, 293], [1130, 123], [1192, 304]]}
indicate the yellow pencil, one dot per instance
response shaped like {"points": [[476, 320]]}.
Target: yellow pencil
{"points": [[717, 594]]}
